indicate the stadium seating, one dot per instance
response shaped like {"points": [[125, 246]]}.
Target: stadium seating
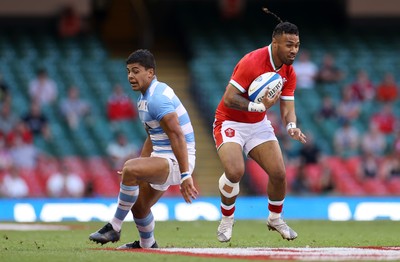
{"points": [[81, 62], [375, 187], [216, 49], [314, 176], [259, 178], [394, 186], [32, 179], [213, 51]]}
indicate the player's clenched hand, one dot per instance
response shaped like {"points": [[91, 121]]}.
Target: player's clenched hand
{"points": [[268, 102], [296, 134], [188, 190]]}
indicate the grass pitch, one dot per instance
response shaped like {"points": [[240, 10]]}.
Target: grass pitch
{"points": [[74, 245]]}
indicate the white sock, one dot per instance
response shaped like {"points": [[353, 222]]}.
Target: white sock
{"points": [[273, 215]]}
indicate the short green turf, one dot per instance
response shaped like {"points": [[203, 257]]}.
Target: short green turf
{"points": [[74, 245]]}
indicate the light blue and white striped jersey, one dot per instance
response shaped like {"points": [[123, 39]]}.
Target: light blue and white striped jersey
{"points": [[158, 101]]}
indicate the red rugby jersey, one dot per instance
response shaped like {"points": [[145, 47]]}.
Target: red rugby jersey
{"points": [[249, 68]]}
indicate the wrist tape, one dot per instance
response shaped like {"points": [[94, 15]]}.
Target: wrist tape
{"points": [[184, 176], [290, 125]]}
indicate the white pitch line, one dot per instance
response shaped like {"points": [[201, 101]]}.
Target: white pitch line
{"points": [[306, 254], [31, 227]]}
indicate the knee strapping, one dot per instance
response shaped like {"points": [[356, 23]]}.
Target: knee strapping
{"points": [[227, 188]]}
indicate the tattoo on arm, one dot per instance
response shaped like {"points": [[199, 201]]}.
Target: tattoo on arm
{"points": [[239, 103]]}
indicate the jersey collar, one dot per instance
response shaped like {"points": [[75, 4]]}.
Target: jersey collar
{"points": [[272, 60], [153, 85]]}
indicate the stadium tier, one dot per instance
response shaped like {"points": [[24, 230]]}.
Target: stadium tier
{"points": [[215, 45], [216, 50], [81, 62]]}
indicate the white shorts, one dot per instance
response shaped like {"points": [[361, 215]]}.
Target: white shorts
{"points": [[174, 176], [248, 135]]}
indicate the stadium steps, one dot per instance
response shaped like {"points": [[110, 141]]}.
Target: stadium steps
{"points": [[172, 69]]}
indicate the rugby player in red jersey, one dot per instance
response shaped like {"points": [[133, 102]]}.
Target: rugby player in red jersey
{"points": [[242, 126]]}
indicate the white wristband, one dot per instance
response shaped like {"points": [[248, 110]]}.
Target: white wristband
{"points": [[290, 125], [256, 107], [184, 176]]}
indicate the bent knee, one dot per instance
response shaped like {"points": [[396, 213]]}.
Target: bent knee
{"points": [[278, 176], [234, 177], [130, 170], [234, 173]]}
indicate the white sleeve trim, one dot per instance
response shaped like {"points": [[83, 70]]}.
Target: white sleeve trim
{"points": [[237, 85]]}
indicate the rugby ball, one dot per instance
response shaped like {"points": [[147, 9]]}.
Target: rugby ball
{"points": [[267, 83]]}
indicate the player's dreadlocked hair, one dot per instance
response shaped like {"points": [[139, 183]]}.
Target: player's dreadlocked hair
{"points": [[282, 27]]}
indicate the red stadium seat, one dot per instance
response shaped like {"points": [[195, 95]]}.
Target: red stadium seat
{"points": [[290, 173], [336, 165], [35, 187], [349, 187], [393, 186], [345, 183], [105, 180], [314, 174], [375, 187], [258, 177], [46, 166], [78, 166], [2, 174], [353, 164]]}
